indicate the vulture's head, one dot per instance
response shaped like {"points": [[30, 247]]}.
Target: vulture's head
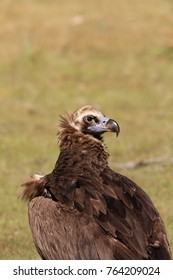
{"points": [[90, 121]]}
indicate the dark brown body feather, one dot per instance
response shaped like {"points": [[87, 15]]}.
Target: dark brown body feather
{"points": [[91, 212]]}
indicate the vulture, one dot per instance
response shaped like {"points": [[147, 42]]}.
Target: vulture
{"points": [[83, 210]]}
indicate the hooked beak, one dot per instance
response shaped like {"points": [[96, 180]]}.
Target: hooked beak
{"points": [[113, 126], [105, 125]]}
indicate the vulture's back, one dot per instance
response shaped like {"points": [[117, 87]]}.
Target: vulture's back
{"points": [[115, 221]]}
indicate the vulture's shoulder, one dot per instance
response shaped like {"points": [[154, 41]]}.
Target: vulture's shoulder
{"points": [[122, 210]]}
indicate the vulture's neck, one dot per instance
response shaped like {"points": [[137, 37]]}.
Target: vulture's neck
{"points": [[75, 142]]}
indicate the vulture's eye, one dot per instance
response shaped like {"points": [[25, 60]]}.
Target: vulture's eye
{"points": [[90, 118]]}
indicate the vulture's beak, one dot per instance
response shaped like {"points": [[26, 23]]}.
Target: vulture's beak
{"points": [[113, 126], [105, 125]]}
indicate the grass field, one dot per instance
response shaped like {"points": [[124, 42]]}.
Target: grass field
{"points": [[59, 55]]}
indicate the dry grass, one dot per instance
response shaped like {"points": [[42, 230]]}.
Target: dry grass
{"points": [[55, 57]]}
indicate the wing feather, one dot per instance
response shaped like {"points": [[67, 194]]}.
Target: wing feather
{"points": [[121, 209]]}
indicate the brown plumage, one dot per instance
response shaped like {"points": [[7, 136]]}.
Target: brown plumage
{"points": [[83, 209]]}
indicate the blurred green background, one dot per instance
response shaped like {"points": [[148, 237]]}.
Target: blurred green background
{"points": [[57, 56]]}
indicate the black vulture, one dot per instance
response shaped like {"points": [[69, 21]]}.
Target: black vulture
{"points": [[83, 210]]}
